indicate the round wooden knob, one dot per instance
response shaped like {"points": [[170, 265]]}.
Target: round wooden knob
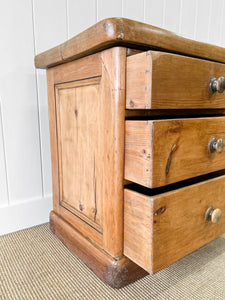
{"points": [[213, 214]]}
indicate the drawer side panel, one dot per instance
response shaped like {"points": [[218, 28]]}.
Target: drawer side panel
{"points": [[138, 228], [138, 152]]}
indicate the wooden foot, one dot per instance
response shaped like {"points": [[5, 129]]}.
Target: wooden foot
{"points": [[116, 273]]}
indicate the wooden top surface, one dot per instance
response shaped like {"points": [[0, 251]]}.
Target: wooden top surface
{"points": [[124, 32]]}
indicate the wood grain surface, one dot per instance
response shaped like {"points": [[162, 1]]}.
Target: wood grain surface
{"points": [[158, 80], [70, 72], [116, 273], [124, 32], [159, 230], [79, 144], [161, 152], [87, 117], [113, 135]]}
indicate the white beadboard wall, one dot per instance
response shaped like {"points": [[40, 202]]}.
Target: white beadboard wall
{"points": [[28, 27]]}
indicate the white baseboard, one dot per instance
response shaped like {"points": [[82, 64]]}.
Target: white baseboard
{"points": [[24, 215]]}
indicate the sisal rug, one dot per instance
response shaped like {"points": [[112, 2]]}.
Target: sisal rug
{"points": [[34, 264]]}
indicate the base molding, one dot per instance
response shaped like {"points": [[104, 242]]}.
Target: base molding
{"points": [[24, 214], [116, 273]]}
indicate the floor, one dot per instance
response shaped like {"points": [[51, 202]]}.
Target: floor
{"points": [[34, 264]]}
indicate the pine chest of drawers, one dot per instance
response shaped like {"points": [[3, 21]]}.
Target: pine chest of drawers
{"points": [[137, 131]]}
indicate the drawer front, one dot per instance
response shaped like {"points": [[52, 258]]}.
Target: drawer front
{"points": [[158, 80], [159, 230], [161, 152]]}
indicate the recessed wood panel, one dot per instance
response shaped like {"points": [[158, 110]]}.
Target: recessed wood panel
{"points": [[159, 80], [162, 152], [79, 142], [159, 230], [87, 117]]}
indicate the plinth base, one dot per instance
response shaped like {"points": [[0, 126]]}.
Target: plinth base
{"points": [[116, 273]]}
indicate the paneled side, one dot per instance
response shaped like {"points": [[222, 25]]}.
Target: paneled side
{"points": [[76, 10], [89, 142], [19, 101], [80, 149], [75, 71]]}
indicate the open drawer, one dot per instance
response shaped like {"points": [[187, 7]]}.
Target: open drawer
{"points": [[161, 152], [162, 228], [160, 80]]}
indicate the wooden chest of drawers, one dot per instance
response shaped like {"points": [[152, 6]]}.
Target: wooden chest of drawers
{"points": [[137, 144]]}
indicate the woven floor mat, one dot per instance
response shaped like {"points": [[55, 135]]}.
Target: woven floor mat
{"points": [[34, 264]]}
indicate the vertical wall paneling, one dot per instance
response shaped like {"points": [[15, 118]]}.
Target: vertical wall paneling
{"points": [[215, 22], [81, 15], [188, 18], [50, 23], [50, 29], [153, 13], [44, 132], [108, 8], [223, 26], [172, 15], [19, 102], [28, 27], [202, 20], [133, 9], [3, 175]]}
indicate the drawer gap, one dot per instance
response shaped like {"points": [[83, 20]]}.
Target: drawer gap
{"points": [[184, 183], [171, 114]]}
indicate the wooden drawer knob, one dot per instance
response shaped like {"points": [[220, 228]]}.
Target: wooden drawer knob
{"points": [[217, 85], [213, 214], [215, 145]]}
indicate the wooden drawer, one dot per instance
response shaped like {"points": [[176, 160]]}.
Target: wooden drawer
{"points": [[159, 80], [162, 152], [160, 229]]}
